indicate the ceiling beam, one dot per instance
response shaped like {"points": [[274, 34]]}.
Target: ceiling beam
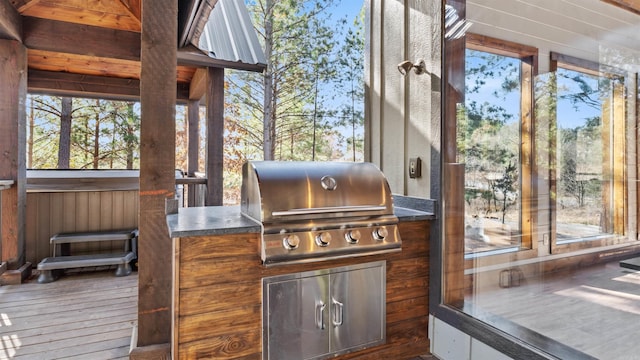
{"points": [[630, 5], [23, 5], [133, 7], [57, 36], [198, 84], [10, 22], [90, 86]]}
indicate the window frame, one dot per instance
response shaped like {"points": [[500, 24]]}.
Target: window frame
{"points": [[618, 186], [528, 56]]}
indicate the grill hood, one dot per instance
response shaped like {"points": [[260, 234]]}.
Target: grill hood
{"points": [[313, 211], [279, 191]]}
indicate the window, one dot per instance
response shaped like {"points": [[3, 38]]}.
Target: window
{"points": [[587, 168], [559, 135], [493, 143]]}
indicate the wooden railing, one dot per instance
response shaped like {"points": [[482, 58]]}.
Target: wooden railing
{"points": [[191, 191]]}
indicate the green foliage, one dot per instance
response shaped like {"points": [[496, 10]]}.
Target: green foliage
{"points": [[104, 134], [507, 186], [290, 111]]}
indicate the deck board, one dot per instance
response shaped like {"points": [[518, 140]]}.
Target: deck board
{"points": [[595, 309], [86, 315]]}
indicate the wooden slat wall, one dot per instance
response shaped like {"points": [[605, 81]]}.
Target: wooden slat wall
{"points": [[52, 213], [218, 300]]}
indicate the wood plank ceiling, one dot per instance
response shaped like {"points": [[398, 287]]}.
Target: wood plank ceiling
{"points": [[86, 47], [92, 47]]}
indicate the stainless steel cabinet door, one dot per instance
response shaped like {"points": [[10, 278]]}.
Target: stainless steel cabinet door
{"points": [[357, 308], [298, 318]]}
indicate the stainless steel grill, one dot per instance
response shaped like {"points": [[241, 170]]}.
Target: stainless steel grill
{"points": [[312, 211]]}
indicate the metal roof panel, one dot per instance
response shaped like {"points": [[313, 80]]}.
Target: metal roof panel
{"points": [[229, 34]]}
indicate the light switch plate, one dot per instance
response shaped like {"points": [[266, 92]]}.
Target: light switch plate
{"points": [[415, 168]]}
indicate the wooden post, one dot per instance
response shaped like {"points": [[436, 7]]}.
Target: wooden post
{"points": [[13, 94], [158, 56], [453, 187], [215, 136], [194, 146]]}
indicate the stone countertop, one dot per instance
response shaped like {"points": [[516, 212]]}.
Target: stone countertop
{"points": [[221, 220], [210, 220], [405, 214]]}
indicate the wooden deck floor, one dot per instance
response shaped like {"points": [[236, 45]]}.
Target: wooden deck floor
{"points": [[595, 310], [91, 315], [80, 316]]}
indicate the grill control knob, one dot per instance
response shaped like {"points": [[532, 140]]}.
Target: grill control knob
{"points": [[352, 236], [380, 233], [291, 241], [323, 239]]}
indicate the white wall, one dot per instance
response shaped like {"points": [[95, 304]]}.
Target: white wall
{"points": [[400, 108], [449, 343]]}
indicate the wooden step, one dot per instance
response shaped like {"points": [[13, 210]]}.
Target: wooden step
{"points": [[73, 238], [67, 262], [67, 238]]}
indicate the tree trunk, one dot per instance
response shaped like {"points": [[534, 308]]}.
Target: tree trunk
{"points": [[269, 128], [130, 150], [30, 138], [315, 117], [132, 144], [64, 147], [96, 139]]}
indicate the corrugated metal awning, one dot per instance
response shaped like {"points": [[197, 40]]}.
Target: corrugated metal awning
{"points": [[229, 36]]}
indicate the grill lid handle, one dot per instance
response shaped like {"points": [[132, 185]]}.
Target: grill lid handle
{"points": [[325, 210]]}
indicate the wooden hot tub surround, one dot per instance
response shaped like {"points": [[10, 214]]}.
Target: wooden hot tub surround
{"points": [[217, 294]]}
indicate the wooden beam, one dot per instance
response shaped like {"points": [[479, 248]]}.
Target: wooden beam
{"points": [[57, 36], [23, 5], [198, 84], [215, 136], [10, 22], [103, 87], [194, 136], [157, 163], [133, 7], [67, 84], [13, 94], [453, 187], [194, 147]]}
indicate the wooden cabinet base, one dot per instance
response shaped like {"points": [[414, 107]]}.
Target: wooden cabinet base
{"points": [[217, 293]]}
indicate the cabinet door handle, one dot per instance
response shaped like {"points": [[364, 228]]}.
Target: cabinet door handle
{"points": [[320, 315], [337, 312]]}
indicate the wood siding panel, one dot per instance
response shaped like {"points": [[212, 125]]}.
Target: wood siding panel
{"points": [[52, 213], [418, 109], [392, 121], [399, 110], [31, 223], [218, 296]]}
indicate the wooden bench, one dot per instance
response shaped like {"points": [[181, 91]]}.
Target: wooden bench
{"points": [[62, 259]]}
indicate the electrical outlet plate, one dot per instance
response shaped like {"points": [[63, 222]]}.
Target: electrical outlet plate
{"points": [[415, 168]]}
